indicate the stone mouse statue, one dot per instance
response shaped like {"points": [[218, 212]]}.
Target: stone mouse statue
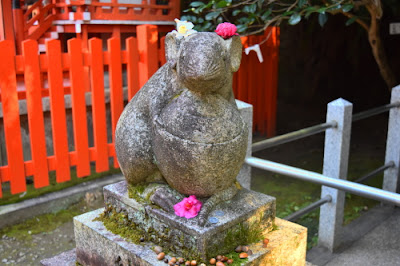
{"points": [[183, 127]]}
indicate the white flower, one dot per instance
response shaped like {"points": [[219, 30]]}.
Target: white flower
{"points": [[184, 28]]}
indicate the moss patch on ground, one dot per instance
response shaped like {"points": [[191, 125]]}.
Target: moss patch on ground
{"points": [[43, 223], [33, 192]]}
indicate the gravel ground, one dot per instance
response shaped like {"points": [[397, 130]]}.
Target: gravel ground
{"points": [[43, 245], [30, 251]]}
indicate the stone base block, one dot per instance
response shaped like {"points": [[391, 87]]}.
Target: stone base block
{"points": [[248, 210], [95, 245]]}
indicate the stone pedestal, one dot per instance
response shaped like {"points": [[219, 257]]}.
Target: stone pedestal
{"points": [[247, 212], [98, 246]]}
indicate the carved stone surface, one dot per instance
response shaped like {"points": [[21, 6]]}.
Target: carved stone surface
{"points": [[183, 234], [183, 125], [97, 246]]}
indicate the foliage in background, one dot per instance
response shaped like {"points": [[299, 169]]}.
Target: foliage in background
{"points": [[254, 16]]}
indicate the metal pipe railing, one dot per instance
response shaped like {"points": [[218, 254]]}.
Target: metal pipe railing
{"points": [[309, 131], [348, 186], [295, 135], [296, 215], [374, 111], [375, 172]]}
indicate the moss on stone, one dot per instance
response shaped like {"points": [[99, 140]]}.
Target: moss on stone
{"points": [[119, 224], [242, 234], [274, 227], [135, 191]]}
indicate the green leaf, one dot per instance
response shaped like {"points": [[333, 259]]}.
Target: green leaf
{"points": [[347, 8], [236, 12], [266, 14], [196, 4], [241, 28], [322, 19], [351, 21], [212, 15], [322, 10], [302, 3], [310, 10], [250, 8], [221, 4], [287, 13], [294, 19]]}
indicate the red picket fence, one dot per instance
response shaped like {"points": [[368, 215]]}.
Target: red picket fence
{"points": [[254, 83]]}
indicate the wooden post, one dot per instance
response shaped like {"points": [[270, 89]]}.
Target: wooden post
{"points": [[35, 113], [147, 36], [98, 104], [12, 127], [79, 107], [58, 116], [116, 92]]}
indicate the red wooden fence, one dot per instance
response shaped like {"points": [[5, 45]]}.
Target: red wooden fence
{"points": [[254, 83]]}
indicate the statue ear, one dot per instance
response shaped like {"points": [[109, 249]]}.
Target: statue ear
{"points": [[233, 48], [171, 47]]}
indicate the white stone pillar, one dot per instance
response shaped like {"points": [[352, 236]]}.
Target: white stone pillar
{"points": [[246, 111], [336, 156], [391, 176]]}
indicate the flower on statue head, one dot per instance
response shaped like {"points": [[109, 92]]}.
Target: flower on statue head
{"points": [[226, 30], [188, 207], [184, 28]]}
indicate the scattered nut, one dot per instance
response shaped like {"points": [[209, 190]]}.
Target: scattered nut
{"points": [[238, 249], [250, 252], [243, 255], [193, 263], [230, 261], [213, 261], [181, 260], [265, 241], [173, 260], [219, 258], [220, 263], [161, 256], [187, 263]]}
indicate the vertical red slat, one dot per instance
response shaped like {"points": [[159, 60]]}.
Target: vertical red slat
{"points": [[58, 117], [116, 95], [260, 88], [98, 104], [35, 113], [269, 88], [12, 127], [163, 60], [274, 82], [79, 107], [147, 36], [132, 67]]}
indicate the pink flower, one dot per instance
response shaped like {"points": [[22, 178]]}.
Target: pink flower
{"points": [[226, 30], [188, 207]]}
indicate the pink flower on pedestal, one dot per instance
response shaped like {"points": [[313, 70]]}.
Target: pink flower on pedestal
{"points": [[188, 207], [226, 30]]}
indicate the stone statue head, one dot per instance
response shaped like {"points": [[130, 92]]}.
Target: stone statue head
{"points": [[204, 61]]}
